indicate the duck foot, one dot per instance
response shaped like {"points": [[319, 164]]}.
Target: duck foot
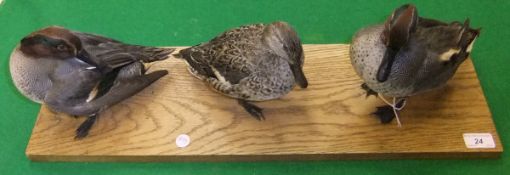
{"points": [[386, 114], [254, 110], [84, 128], [369, 91]]}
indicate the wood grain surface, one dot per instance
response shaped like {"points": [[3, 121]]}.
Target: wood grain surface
{"points": [[331, 119]]}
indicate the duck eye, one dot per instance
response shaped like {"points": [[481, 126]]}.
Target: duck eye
{"points": [[61, 47]]}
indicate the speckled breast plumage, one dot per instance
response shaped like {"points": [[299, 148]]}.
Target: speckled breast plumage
{"points": [[367, 51], [29, 76]]}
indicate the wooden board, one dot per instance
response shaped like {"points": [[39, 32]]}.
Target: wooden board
{"points": [[331, 119]]}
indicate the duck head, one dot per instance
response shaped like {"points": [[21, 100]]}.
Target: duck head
{"points": [[284, 41], [51, 42], [396, 34], [452, 42]]}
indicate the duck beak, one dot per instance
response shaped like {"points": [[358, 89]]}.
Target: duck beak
{"points": [[385, 67], [299, 76], [398, 28]]}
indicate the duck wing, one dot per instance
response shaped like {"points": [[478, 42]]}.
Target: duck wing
{"points": [[227, 56], [108, 54]]}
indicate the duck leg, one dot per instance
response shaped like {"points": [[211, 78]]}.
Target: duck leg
{"points": [[226, 88], [368, 90], [254, 110], [84, 128], [385, 113]]}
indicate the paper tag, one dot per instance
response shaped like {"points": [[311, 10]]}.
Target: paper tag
{"points": [[479, 140], [182, 140]]}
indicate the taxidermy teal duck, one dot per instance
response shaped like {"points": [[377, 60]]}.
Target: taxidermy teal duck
{"points": [[81, 74], [408, 55], [255, 62]]}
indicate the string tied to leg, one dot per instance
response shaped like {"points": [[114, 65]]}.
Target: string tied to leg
{"points": [[395, 107]]}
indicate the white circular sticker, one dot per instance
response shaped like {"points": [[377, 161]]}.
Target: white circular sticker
{"points": [[182, 140]]}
